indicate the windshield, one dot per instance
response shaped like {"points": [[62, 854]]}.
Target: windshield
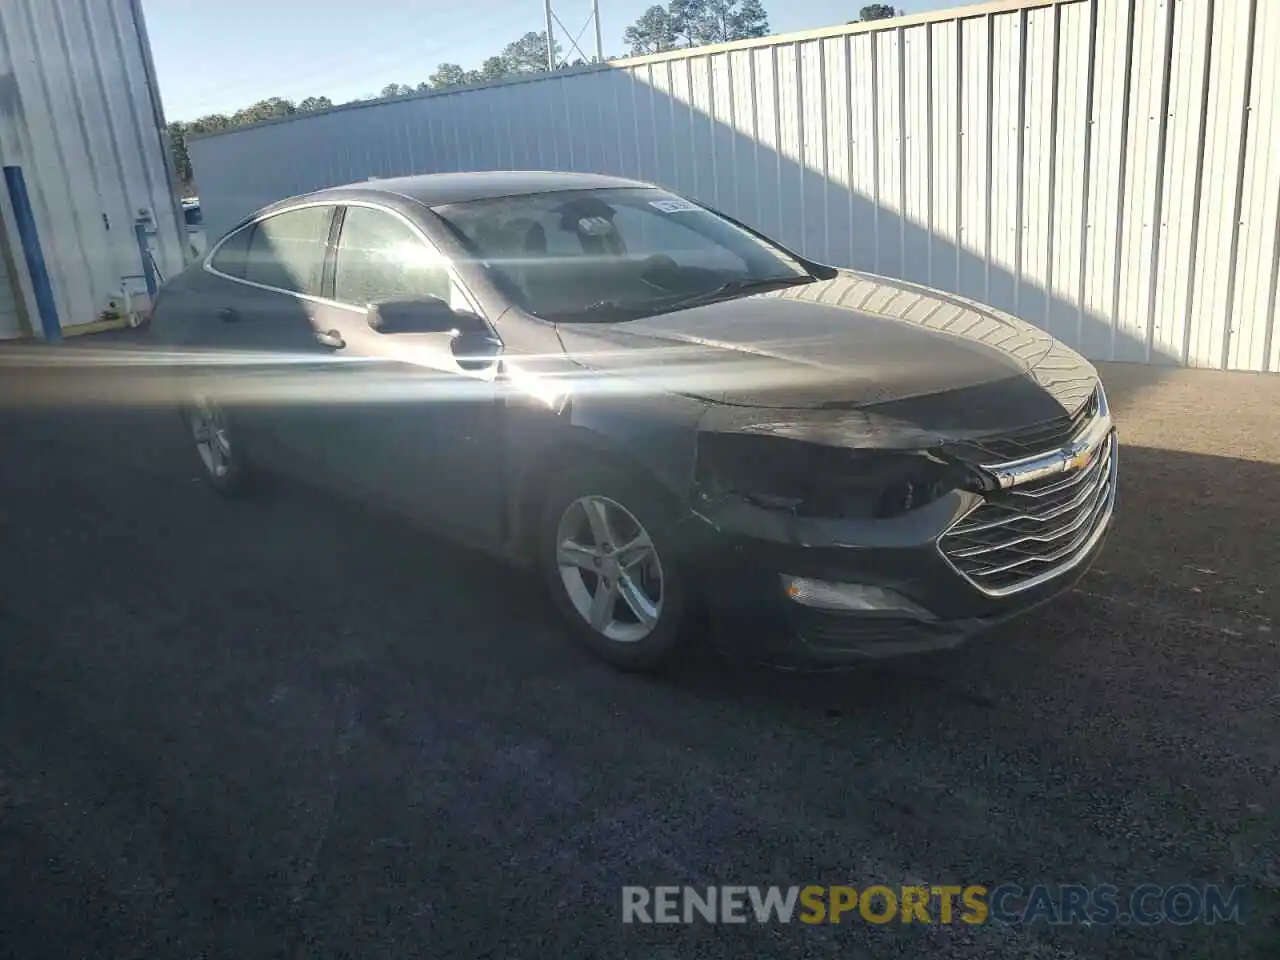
{"points": [[615, 254]]}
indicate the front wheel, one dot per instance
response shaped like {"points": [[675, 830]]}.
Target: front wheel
{"points": [[225, 467], [612, 563]]}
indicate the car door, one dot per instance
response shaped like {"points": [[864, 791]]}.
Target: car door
{"points": [[263, 326], [415, 431]]}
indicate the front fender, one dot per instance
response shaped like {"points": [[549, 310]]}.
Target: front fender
{"points": [[656, 435]]}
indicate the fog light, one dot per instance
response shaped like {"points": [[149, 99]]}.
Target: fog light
{"points": [[853, 597]]}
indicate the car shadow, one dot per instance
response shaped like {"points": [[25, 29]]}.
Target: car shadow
{"points": [[1187, 563]]}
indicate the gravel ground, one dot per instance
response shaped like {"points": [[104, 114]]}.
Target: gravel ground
{"points": [[288, 728]]}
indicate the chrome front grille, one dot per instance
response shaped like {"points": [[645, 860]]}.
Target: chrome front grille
{"points": [[1032, 531], [1034, 439]]}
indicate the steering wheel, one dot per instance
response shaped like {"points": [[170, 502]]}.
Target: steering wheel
{"points": [[654, 267]]}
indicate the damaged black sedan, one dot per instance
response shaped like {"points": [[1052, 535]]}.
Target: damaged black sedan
{"points": [[679, 423]]}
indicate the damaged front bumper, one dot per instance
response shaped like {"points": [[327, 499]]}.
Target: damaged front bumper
{"points": [[855, 534], [773, 583]]}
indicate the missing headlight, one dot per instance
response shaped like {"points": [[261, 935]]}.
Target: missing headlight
{"points": [[875, 485], [814, 480], [771, 471]]}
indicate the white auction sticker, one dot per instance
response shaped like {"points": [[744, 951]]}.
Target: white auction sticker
{"points": [[673, 206]]}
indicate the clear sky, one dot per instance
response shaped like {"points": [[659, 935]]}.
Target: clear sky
{"points": [[215, 56]]}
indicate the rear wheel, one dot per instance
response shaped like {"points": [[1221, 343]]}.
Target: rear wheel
{"points": [[225, 467], [612, 564]]}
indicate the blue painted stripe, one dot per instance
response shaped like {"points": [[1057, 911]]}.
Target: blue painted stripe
{"points": [[25, 221], [144, 251]]}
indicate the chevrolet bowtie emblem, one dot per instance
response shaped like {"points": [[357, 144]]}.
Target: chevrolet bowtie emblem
{"points": [[1081, 457], [1067, 459]]}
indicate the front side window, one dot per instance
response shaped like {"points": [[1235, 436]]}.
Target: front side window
{"points": [[233, 253], [286, 251], [615, 253], [380, 258]]}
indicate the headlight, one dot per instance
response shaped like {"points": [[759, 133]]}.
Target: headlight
{"points": [[815, 480]]}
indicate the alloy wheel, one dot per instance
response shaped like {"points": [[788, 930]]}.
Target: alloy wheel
{"points": [[610, 568], [209, 430]]}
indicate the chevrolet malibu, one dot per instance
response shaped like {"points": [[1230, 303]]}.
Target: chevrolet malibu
{"points": [[681, 425]]}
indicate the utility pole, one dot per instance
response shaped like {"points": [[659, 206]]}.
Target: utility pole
{"points": [[553, 20], [595, 15], [551, 39]]}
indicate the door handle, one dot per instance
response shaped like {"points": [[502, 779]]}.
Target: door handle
{"points": [[228, 314], [331, 339]]}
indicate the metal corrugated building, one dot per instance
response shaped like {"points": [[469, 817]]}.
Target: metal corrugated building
{"points": [[80, 122], [1108, 169]]}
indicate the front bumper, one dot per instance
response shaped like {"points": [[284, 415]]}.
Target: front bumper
{"points": [[744, 551]]}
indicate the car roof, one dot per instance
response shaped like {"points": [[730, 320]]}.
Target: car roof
{"points": [[434, 189]]}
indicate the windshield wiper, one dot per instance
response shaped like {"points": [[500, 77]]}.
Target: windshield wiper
{"points": [[761, 282], [621, 309], [741, 285]]}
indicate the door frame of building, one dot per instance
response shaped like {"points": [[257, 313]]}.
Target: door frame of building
{"points": [[24, 222], [9, 265]]}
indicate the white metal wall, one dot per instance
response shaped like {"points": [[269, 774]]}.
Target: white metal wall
{"points": [[80, 114], [10, 322], [1108, 169], [13, 294]]}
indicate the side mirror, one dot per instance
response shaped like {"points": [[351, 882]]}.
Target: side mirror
{"points": [[424, 315]]}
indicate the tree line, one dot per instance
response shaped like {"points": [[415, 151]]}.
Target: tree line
{"points": [[695, 23], [680, 24], [526, 55]]}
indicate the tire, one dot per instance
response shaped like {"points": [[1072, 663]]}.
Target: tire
{"points": [[634, 513], [223, 463]]}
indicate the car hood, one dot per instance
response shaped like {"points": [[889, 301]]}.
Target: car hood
{"points": [[856, 355]]}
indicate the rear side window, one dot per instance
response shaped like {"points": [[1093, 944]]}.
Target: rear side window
{"points": [[379, 258], [286, 251], [233, 252]]}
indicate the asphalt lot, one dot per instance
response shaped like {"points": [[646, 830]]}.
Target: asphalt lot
{"points": [[286, 727]]}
